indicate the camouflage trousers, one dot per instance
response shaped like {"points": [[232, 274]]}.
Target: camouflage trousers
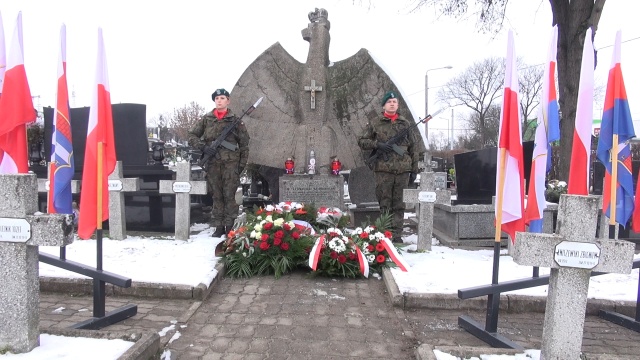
{"points": [[223, 182], [389, 188]]}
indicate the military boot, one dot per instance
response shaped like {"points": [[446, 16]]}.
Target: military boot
{"points": [[220, 231]]}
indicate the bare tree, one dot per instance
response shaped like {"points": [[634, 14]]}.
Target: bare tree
{"points": [[573, 19], [438, 142], [183, 119], [477, 88], [530, 83]]}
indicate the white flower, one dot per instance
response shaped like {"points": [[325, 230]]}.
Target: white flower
{"points": [[258, 235], [357, 231], [269, 218], [337, 244], [372, 237], [244, 254], [258, 227], [259, 217], [369, 229], [269, 208], [379, 236], [278, 222], [253, 234], [371, 258], [334, 230], [291, 225]]}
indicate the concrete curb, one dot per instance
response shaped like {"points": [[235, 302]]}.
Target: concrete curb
{"points": [[508, 303], [146, 345], [425, 352], [137, 289]]}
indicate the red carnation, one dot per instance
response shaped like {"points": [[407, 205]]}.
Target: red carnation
{"points": [[264, 237], [333, 234], [334, 255], [268, 226], [370, 248], [295, 235], [379, 247], [264, 245], [352, 256], [278, 234], [284, 246], [286, 226], [342, 259], [260, 211], [277, 241], [388, 234], [300, 212], [380, 258], [364, 235]]}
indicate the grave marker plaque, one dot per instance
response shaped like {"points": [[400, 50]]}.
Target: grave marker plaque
{"points": [[321, 190]]}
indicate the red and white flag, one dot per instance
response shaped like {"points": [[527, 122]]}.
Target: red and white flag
{"points": [[510, 170], [100, 152], [581, 148], [16, 108], [3, 65]]}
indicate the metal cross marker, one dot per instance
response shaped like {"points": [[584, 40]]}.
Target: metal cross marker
{"points": [[313, 88]]}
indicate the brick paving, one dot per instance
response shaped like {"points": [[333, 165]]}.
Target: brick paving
{"points": [[303, 317]]}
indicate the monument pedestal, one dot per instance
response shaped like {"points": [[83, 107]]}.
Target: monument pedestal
{"points": [[320, 190]]}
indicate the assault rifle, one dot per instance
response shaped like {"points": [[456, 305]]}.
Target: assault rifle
{"points": [[220, 140], [394, 140]]}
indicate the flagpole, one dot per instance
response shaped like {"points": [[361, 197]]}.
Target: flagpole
{"points": [[99, 207], [613, 187], [499, 201]]}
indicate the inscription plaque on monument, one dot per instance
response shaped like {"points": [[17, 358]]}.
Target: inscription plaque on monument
{"points": [[321, 190]]}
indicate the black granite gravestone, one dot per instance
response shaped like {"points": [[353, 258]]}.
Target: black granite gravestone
{"points": [[146, 209], [476, 174]]}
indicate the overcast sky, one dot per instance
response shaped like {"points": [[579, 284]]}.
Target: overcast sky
{"points": [[167, 54]]}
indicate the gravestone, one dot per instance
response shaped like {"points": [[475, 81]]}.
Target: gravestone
{"points": [[320, 190], [21, 233], [476, 174], [118, 185], [183, 188], [571, 254], [318, 105], [427, 194]]}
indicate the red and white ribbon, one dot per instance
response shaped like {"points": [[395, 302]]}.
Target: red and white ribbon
{"points": [[314, 255], [393, 254], [364, 264], [303, 226]]}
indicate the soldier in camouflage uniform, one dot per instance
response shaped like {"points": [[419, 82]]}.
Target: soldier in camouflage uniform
{"points": [[393, 172], [223, 169]]}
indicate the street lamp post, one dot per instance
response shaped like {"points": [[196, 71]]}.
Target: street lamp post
{"points": [[426, 111]]}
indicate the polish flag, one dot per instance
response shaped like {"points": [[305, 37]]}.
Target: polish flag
{"points": [[3, 65], [100, 153], [579, 165], [510, 170], [16, 108]]}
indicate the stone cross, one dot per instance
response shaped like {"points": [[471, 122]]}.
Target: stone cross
{"points": [[426, 195], [21, 232], [183, 187], [313, 88], [117, 187], [571, 254]]}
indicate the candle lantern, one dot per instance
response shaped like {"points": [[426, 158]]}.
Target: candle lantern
{"points": [[288, 166], [336, 166]]}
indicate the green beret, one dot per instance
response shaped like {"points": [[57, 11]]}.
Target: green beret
{"points": [[219, 92], [388, 95]]}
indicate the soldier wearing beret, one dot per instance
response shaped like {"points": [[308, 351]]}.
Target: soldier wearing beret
{"points": [[393, 172], [223, 169]]}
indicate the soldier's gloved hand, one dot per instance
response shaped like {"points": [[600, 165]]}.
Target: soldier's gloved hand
{"points": [[412, 178], [239, 169], [384, 147], [209, 150]]}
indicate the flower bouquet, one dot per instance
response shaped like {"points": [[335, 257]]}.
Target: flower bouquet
{"points": [[331, 217], [270, 242], [378, 248], [335, 254]]}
